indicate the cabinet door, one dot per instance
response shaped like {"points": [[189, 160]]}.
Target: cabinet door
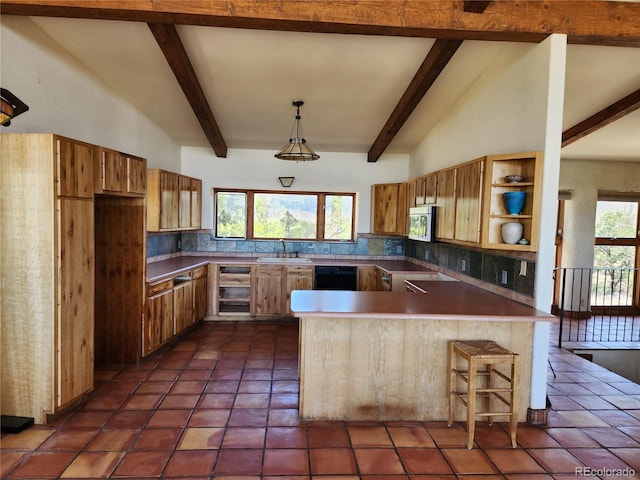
{"points": [[114, 166], [268, 290], [446, 214], [196, 203], [74, 169], [468, 202], [169, 200], [184, 210], [200, 299], [367, 279], [298, 278], [74, 334], [430, 189], [182, 306], [158, 324], [389, 204], [136, 175]]}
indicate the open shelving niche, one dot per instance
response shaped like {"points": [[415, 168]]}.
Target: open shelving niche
{"points": [[529, 165], [234, 289]]}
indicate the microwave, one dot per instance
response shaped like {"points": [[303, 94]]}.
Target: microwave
{"points": [[422, 223]]}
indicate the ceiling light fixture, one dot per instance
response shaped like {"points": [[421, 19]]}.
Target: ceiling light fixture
{"points": [[286, 181], [10, 107], [297, 148]]}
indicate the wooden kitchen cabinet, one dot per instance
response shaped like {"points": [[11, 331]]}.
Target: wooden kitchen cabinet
{"points": [[183, 312], [529, 166], [268, 290], [468, 198], [446, 213], [174, 201], [47, 342], [232, 290], [297, 278], [157, 327], [367, 279], [116, 173], [200, 292], [390, 208]]}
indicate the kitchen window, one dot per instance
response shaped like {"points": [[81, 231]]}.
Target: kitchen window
{"points": [[265, 214]]}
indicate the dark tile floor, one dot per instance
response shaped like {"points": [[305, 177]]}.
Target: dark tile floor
{"points": [[222, 403]]}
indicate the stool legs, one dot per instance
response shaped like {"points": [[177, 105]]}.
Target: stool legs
{"points": [[515, 387]]}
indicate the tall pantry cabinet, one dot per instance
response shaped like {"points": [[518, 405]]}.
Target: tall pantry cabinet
{"points": [[47, 273]]}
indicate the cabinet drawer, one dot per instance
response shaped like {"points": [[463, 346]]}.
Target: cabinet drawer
{"points": [[235, 279], [300, 270], [200, 272], [156, 288]]}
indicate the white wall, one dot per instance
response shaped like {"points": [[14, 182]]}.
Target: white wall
{"points": [[65, 98], [584, 179], [333, 172]]}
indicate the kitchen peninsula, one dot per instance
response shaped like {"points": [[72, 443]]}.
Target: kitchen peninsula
{"points": [[383, 355]]}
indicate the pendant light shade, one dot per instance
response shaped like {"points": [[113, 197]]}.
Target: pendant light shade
{"points": [[297, 148]]}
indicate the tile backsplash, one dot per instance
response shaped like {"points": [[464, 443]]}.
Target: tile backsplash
{"points": [[488, 266]]}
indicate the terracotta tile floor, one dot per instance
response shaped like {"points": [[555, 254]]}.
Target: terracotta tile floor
{"points": [[222, 403]]}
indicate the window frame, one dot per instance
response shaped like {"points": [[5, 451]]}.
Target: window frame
{"points": [[320, 213]]}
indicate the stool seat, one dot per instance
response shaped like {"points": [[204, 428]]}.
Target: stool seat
{"points": [[497, 385]]}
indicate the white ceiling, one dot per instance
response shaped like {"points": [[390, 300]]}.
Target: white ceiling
{"points": [[349, 83]]}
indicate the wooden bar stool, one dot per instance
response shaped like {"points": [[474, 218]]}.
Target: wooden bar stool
{"points": [[488, 353]]}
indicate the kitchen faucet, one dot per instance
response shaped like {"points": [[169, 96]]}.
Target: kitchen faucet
{"points": [[284, 249]]}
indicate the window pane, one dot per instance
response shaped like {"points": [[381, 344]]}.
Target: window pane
{"points": [[612, 282], [283, 215], [231, 214], [616, 219], [338, 217]]}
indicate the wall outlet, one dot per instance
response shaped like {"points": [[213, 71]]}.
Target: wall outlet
{"points": [[463, 265], [399, 249], [426, 255], [504, 277], [179, 245]]}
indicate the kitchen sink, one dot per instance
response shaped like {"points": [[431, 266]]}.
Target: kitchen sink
{"points": [[283, 260]]}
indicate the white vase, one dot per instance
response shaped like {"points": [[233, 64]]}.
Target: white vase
{"points": [[512, 232]]}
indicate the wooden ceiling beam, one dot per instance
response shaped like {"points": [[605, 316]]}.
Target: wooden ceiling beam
{"points": [[436, 60], [169, 41], [595, 22], [604, 117]]}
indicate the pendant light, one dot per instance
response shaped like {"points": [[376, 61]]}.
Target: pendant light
{"points": [[297, 148]]}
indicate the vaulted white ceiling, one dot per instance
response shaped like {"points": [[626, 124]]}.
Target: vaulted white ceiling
{"points": [[350, 84]]}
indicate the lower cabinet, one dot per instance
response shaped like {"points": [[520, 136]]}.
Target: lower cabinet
{"points": [[158, 323], [367, 279], [172, 306], [298, 278], [272, 287], [268, 290]]}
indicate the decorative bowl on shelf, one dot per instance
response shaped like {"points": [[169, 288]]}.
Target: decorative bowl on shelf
{"points": [[514, 202], [514, 178]]}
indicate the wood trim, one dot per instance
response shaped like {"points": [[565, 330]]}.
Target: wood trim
{"points": [[434, 63], [604, 117], [169, 41], [613, 23]]}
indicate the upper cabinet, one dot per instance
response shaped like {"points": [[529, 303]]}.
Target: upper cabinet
{"points": [[519, 172], [174, 201], [471, 200], [390, 212], [119, 174]]}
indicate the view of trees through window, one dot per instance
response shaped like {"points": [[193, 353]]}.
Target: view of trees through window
{"points": [[615, 253], [274, 215]]}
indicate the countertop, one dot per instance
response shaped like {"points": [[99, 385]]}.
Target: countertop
{"points": [[158, 271], [441, 300]]}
